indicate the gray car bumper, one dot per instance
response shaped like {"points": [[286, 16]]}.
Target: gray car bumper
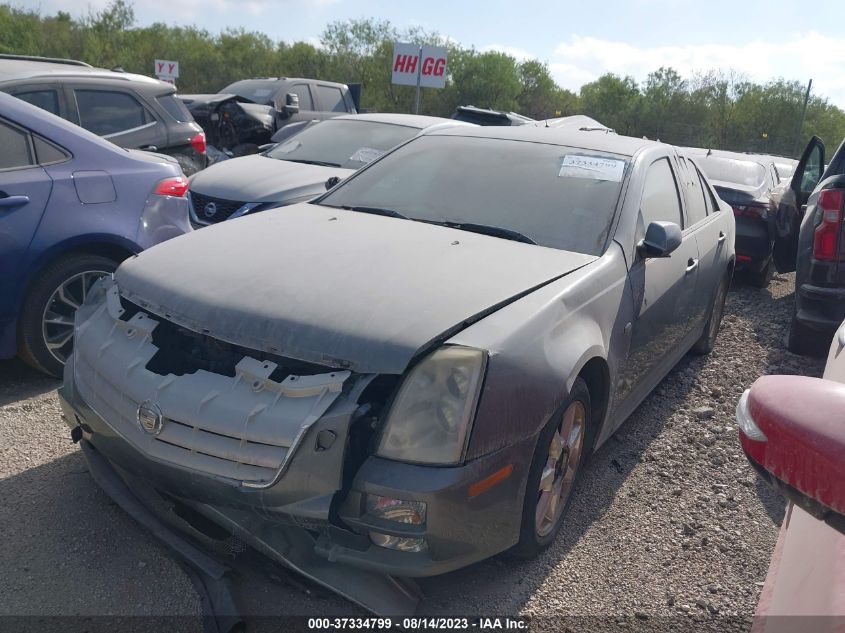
{"points": [[460, 528]]}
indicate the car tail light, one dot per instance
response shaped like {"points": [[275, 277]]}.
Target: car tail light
{"points": [[198, 143], [176, 186], [755, 209], [826, 239]]}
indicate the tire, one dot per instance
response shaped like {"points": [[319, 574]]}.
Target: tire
{"points": [[707, 342], [532, 539], [803, 340], [77, 271], [762, 278]]}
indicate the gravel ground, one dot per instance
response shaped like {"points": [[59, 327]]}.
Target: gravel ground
{"points": [[667, 524]]}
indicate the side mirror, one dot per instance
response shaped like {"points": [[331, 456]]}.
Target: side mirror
{"points": [[291, 104], [792, 433], [331, 182], [661, 239]]}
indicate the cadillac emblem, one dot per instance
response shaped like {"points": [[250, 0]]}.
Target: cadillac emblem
{"points": [[150, 418]]}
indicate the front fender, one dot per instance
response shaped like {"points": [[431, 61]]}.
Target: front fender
{"points": [[539, 345]]}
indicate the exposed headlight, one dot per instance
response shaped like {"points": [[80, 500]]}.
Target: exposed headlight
{"points": [[430, 418]]}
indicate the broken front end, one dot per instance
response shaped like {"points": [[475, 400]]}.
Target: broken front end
{"points": [[277, 451]]}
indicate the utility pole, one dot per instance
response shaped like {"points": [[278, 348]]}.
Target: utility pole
{"points": [[803, 116]]}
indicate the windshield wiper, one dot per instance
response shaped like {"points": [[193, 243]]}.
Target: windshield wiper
{"points": [[311, 162], [487, 229], [390, 213]]}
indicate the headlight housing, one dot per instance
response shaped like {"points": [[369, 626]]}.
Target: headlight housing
{"points": [[430, 418]]}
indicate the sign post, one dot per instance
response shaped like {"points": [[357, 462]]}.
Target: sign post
{"points": [[167, 70], [420, 66]]}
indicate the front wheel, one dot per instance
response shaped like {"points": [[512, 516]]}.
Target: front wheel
{"points": [[557, 461], [45, 331]]}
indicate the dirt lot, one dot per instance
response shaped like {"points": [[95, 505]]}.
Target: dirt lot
{"points": [[668, 519]]}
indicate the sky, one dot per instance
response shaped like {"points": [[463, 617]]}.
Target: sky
{"points": [[580, 40]]}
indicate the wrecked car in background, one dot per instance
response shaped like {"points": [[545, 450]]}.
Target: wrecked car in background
{"points": [[406, 375], [485, 116], [245, 115], [300, 168]]}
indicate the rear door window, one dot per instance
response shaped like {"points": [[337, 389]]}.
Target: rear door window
{"points": [[175, 108], [696, 206], [106, 112], [304, 94], [330, 98], [44, 99], [16, 148]]}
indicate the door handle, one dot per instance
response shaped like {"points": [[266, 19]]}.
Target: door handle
{"points": [[722, 236], [7, 202], [692, 264]]}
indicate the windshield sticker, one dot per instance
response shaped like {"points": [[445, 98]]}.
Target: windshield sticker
{"points": [[366, 155], [592, 167], [287, 148]]}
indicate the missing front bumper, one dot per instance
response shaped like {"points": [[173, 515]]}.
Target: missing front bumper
{"points": [[291, 546]]}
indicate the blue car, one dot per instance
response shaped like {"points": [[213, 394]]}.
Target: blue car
{"points": [[72, 207]]}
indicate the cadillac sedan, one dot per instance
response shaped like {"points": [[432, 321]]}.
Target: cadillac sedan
{"points": [[406, 375]]}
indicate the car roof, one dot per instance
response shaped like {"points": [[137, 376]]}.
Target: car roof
{"points": [[418, 121], [701, 152], [286, 80], [17, 68], [598, 140]]}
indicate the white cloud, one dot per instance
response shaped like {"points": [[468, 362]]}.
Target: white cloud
{"points": [[519, 54], [801, 57]]}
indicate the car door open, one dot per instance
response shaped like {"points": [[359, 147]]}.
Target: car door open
{"points": [[787, 219]]}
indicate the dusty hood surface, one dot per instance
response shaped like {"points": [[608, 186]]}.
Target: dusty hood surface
{"points": [[257, 178], [337, 287]]}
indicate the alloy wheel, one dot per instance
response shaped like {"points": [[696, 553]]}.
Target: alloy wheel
{"points": [[57, 320], [561, 467]]}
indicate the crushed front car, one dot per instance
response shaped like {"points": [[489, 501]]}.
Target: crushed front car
{"points": [[276, 451]]}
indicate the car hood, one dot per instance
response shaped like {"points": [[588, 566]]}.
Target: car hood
{"points": [[258, 178], [335, 287]]}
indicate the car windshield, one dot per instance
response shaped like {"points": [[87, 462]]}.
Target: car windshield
{"points": [[346, 143], [560, 197], [256, 91], [741, 172]]}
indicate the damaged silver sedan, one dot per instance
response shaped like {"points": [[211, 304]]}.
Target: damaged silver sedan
{"points": [[406, 375]]}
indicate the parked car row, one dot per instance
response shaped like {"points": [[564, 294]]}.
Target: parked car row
{"points": [[394, 356]]}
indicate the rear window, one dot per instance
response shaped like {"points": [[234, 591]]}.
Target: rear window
{"points": [[330, 99], [560, 197], [741, 172], [175, 108]]}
